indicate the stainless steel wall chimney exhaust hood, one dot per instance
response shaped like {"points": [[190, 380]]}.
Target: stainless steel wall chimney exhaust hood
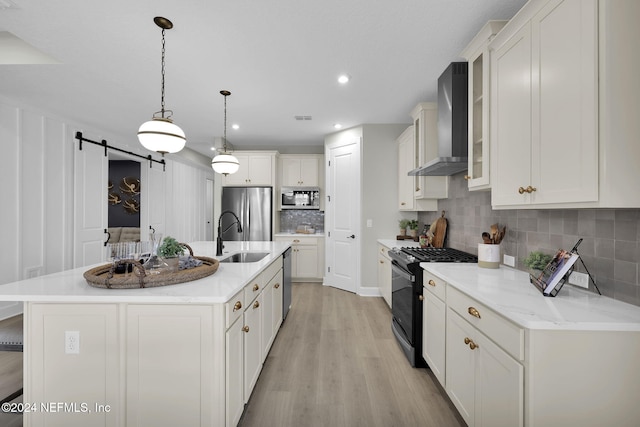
{"points": [[452, 124]]}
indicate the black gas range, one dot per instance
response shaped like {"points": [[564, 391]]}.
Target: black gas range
{"points": [[406, 286]]}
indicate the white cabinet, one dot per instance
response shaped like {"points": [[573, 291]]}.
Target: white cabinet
{"points": [[384, 273], [477, 54], [307, 256], [277, 296], [407, 184], [300, 170], [485, 383], [175, 336], [425, 141], [252, 346], [234, 373], [434, 325], [544, 106], [256, 168]]}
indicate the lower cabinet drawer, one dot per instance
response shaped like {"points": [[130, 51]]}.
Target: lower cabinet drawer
{"points": [[233, 309], [504, 333]]}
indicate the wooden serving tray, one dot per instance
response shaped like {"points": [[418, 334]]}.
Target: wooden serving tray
{"points": [[104, 276]]}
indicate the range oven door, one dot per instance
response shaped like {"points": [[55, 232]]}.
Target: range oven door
{"points": [[402, 285]]}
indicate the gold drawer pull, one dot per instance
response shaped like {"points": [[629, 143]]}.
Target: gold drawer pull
{"points": [[381, 262], [421, 297], [256, 287], [296, 241], [237, 306], [472, 311], [402, 204], [245, 329], [470, 343], [431, 282], [277, 285], [467, 177], [256, 304], [529, 190]]}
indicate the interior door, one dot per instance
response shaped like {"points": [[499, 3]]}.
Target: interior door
{"points": [[90, 210], [342, 214]]}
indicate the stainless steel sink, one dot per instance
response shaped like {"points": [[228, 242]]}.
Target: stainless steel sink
{"points": [[245, 257]]}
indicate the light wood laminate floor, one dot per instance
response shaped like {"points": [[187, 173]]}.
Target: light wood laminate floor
{"points": [[336, 363]]}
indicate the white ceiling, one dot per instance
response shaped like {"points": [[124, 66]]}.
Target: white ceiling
{"points": [[279, 59]]}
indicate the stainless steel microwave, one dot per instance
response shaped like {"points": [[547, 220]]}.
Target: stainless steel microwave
{"points": [[300, 198]]}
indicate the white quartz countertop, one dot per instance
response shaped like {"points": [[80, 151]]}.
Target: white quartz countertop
{"points": [[508, 292], [393, 243], [220, 287], [294, 234]]}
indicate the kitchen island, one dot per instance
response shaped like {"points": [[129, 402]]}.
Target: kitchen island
{"points": [[508, 356], [186, 354]]}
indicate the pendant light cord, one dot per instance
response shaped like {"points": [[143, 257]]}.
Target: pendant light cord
{"points": [[225, 124], [162, 74]]}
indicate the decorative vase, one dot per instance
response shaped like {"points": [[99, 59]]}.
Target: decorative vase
{"points": [[403, 231], [155, 264], [413, 233], [173, 263]]}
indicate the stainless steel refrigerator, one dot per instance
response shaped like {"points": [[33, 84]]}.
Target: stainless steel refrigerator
{"points": [[254, 208]]}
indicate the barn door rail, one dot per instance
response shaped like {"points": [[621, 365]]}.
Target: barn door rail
{"points": [[106, 146]]}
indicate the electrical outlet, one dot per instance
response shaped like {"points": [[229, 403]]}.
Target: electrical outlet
{"points": [[579, 279], [72, 342], [509, 260]]}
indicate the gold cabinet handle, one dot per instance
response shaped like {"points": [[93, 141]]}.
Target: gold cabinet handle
{"points": [[256, 287], [475, 313], [431, 282], [237, 306], [277, 285], [417, 188], [256, 304], [296, 241], [402, 204], [467, 177], [529, 189], [245, 329], [421, 297], [381, 262], [470, 343]]}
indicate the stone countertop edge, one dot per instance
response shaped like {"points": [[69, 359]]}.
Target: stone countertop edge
{"points": [[393, 243], [70, 286], [508, 292]]}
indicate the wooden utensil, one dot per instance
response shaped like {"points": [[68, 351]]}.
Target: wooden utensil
{"points": [[440, 232], [493, 233], [486, 238]]}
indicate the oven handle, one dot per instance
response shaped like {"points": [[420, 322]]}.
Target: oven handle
{"points": [[402, 272]]}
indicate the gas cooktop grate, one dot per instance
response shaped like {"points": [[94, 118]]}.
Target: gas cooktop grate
{"points": [[440, 255]]}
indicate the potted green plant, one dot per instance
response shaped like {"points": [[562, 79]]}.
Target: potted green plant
{"points": [[403, 226], [413, 228], [171, 250]]}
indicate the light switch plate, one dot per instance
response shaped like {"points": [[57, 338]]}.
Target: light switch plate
{"points": [[579, 279]]}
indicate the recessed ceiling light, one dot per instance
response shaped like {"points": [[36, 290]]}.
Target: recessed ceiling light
{"points": [[337, 126], [235, 126], [344, 79]]}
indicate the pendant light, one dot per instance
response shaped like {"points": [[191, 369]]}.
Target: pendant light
{"points": [[225, 163], [160, 134]]}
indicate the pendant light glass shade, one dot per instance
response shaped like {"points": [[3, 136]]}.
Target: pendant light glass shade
{"points": [[224, 163], [161, 135]]}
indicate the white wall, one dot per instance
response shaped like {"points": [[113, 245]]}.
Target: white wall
{"points": [[37, 173]]}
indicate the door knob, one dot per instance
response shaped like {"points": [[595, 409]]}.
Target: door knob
{"points": [[353, 236]]}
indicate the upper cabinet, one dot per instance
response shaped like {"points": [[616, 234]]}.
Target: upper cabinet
{"points": [[256, 168], [561, 136], [407, 184], [425, 141], [477, 54], [300, 170]]}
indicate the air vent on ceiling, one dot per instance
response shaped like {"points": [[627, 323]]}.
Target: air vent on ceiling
{"points": [[302, 117]]}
